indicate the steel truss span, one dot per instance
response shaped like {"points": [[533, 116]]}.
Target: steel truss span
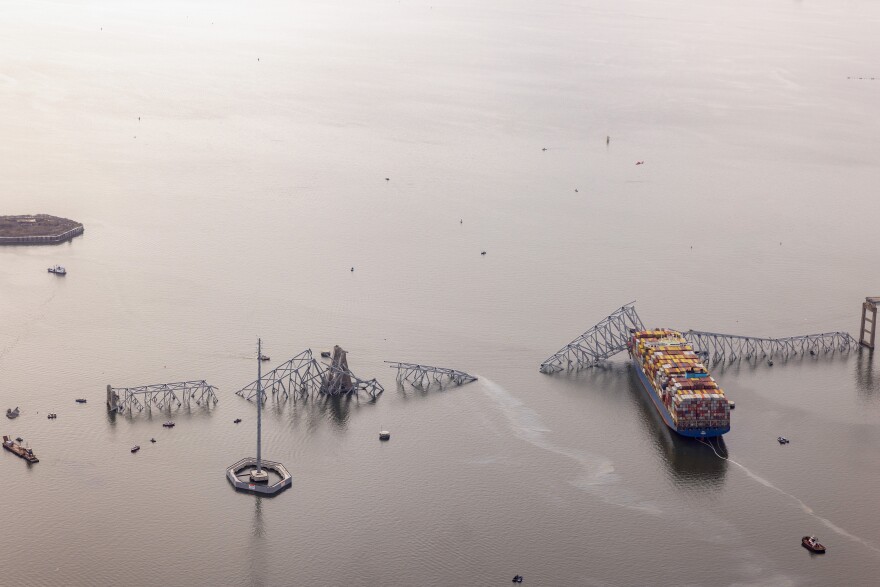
{"points": [[422, 376], [718, 348], [610, 337], [161, 395], [604, 340], [303, 376]]}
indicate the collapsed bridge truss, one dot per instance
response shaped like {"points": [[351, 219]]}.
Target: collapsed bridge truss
{"points": [[610, 336], [602, 341], [304, 376], [730, 347], [422, 376], [161, 395]]}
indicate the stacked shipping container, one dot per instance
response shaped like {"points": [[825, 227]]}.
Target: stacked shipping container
{"points": [[681, 381]]}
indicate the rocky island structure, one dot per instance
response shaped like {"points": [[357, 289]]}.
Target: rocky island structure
{"points": [[37, 229]]}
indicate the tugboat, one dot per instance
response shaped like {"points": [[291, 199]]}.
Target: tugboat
{"points": [[12, 414], [135, 448], [58, 270], [169, 424], [17, 449], [811, 543]]}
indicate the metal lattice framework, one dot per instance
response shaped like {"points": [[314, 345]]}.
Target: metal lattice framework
{"points": [[729, 347], [303, 376], [610, 337], [422, 376], [600, 342], [161, 395]]}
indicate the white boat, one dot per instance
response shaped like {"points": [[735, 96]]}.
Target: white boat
{"points": [[58, 270]]}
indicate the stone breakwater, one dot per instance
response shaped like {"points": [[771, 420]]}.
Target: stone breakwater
{"points": [[38, 229]]}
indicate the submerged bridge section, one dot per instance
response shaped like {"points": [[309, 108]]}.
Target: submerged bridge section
{"points": [[161, 395], [610, 336], [718, 348], [422, 376], [303, 376], [602, 341]]}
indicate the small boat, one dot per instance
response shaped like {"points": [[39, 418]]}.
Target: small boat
{"points": [[52, 416], [325, 354], [236, 421], [12, 414], [811, 543], [169, 424], [58, 270], [152, 440], [483, 253], [80, 401], [782, 440], [264, 358], [19, 439], [135, 448], [517, 578], [384, 435]]}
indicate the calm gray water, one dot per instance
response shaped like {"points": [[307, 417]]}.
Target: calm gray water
{"points": [[228, 160]]}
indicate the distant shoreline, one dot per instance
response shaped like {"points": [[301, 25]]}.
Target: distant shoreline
{"points": [[38, 229]]}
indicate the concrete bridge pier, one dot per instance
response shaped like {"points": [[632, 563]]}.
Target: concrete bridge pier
{"points": [[869, 316]]}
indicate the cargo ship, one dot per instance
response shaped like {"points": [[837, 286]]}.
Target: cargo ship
{"points": [[688, 399], [17, 449]]}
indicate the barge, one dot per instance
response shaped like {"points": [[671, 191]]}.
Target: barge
{"points": [[17, 449], [678, 384]]}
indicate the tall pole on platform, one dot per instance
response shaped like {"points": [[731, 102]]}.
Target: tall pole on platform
{"points": [[259, 404]]}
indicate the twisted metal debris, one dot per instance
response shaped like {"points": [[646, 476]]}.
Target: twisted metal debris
{"points": [[422, 376], [303, 376], [161, 395]]}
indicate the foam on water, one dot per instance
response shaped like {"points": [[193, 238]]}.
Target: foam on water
{"points": [[598, 476]]}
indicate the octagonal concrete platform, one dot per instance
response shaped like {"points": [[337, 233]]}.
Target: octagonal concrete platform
{"points": [[239, 475]]}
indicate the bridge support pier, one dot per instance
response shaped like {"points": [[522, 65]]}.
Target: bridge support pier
{"points": [[868, 333]]}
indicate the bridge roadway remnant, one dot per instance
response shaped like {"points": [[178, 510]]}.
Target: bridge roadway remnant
{"points": [[422, 376], [610, 336], [162, 395], [303, 376]]}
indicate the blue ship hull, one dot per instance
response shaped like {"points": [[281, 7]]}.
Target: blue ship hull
{"points": [[664, 413]]}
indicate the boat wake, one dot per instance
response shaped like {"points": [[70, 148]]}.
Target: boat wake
{"points": [[806, 509], [598, 475]]}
